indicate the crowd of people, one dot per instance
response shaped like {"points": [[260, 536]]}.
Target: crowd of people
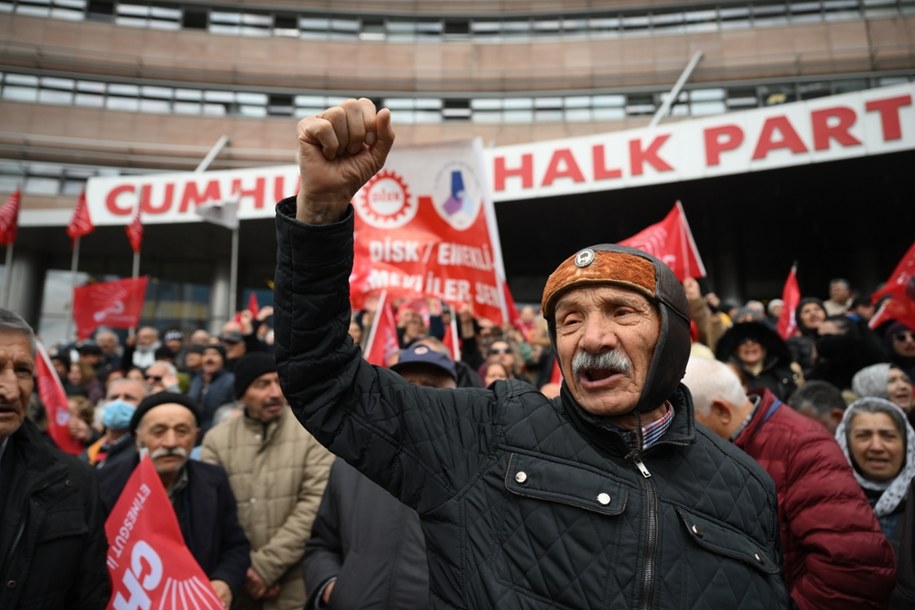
{"points": [[627, 442]]}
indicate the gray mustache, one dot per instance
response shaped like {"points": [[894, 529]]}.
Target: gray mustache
{"points": [[613, 359], [167, 451]]}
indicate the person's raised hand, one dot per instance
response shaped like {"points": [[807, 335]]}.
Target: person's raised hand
{"points": [[339, 150]]}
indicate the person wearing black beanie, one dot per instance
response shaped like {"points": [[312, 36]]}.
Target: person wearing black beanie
{"points": [[250, 367]]}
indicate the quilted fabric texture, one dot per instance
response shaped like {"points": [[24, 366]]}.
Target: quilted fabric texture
{"points": [[522, 504]]}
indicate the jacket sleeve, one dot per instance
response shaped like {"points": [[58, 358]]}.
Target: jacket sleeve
{"points": [[420, 444], [93, 586], [324, 550], [287, 545], [903, 597], [234, 548], [848, 563]]}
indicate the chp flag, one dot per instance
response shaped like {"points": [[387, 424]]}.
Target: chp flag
{"points": [[671, 241], [9, 218], [899, 294], [54, 400], [116, 304], [134, 232], [791, 297], [81, 223], [149, 564]]}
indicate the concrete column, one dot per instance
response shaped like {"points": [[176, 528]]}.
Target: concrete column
{"points": [[219, 295], [26, 286]]}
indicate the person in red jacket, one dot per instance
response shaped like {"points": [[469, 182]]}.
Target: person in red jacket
{"points": [[835, 555]]}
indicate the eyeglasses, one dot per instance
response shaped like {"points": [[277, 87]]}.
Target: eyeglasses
{"points": [[904, 335], [495, 351], [156, 378]]}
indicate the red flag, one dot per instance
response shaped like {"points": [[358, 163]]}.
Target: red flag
{"points": [[556, 375], [791, 296], [452, 338], [81, 224], [511, 310], [671, 241], [149, 564], [116, 304], [135, 232], [9, 219], [253, 306], [55, 403], [382, 343], [900, 288]]}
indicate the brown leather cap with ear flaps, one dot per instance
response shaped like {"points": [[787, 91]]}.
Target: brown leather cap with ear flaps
{"points": [[639, 271]]}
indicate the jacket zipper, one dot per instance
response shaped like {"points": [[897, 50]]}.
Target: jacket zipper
{"points": [[651, 544]]}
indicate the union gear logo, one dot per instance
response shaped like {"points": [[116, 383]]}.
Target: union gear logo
{"points": [[385, 201]]}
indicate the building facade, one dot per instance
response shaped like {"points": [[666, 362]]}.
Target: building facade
{"points": [[101, 88]]}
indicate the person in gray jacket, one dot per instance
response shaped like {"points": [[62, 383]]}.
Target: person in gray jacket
{"points": [[367, 549], [607, 496]]}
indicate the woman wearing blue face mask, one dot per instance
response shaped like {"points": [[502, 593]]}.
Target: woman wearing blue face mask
{"points": [[123, 396]]}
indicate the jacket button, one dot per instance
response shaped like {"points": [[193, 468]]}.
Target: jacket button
{"points": [[698, 531], [11, 584], [253, 500], [521, 477], [68, 483], [603, 498]]}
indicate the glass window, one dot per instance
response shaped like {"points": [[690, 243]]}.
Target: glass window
{"points": [[90, 86], [706, 108], [21, 79], [130, 104], [609, 114], [155, 106], [161, 93], [124, 90], [50, 96], [89, 99], [36, 185], [252, 111], [186, 108], [20, 94], [518, 116]]}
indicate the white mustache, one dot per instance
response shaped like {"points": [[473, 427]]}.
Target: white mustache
{"points": [[167, 451], [613, 359]]}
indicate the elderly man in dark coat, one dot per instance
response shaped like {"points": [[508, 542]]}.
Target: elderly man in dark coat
{"points": [[607, 496], [166, 425]]}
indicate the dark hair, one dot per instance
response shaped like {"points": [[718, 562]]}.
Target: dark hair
{"points": [[821, 396]]}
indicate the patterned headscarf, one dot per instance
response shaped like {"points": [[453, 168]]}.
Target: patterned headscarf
{"points": [[895, 490]]}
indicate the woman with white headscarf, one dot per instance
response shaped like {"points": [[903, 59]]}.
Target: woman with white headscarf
{"points": [[879, 443]]}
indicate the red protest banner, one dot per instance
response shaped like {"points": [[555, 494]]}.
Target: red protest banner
{"points": [[116, 304], [671, 241], [149, 564], [54, 399], [424, 227]]}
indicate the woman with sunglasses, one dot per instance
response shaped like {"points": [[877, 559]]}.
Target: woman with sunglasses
{"points": [[901, 341]]}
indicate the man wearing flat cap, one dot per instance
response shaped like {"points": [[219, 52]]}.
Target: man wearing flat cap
{"points": [[165, 426], [277, 471], [607, 496]]}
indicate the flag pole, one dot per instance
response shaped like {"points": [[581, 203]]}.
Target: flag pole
{"points": [[74, 264], [8, 283], [136, 273], [233, 274]]}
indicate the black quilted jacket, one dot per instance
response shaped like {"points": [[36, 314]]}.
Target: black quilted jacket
{"points": [[523, 503]]}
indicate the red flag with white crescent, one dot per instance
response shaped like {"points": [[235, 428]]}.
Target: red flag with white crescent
{"points": [[671, 240], [9, 218], [54, 399], [149, 564], [116, 304], [791, 296], [900, 287], [81, 223]]}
